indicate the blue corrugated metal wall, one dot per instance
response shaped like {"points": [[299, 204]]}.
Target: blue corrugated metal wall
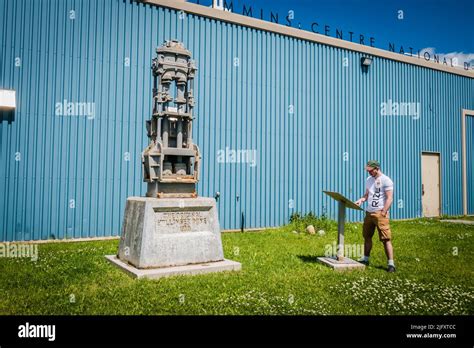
{"points": [[470, 163], [312, 121]]}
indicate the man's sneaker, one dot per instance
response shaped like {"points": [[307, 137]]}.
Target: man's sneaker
{"points": [[364, 262], [391, 269]]}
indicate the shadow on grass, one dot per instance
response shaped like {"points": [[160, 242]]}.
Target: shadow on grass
{"points": [[383, 268], [309, 258]]}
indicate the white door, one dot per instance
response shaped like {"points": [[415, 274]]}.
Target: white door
{"points": [[430, 184]]}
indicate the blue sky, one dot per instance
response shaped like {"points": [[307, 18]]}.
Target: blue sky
{"points": [[440, 26]]}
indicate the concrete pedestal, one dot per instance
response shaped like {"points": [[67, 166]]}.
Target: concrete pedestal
{"points": [[343, 265], [159, 233], [155, 273]]}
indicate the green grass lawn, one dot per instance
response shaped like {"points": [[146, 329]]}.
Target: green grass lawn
{"points": [[280, 275]]}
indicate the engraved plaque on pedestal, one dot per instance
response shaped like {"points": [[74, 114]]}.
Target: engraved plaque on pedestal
{"points": [[170, 232]]}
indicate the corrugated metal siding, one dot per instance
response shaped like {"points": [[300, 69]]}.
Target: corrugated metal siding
{"points": [[336, 110], [470, 163]]}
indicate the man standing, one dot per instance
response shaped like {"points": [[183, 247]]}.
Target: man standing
{"points": [[379, 196]]}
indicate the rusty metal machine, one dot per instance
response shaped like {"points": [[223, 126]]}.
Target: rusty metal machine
{"points": [[171, 160]]}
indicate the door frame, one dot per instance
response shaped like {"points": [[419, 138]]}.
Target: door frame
{"points": [[439, 176], [464, 114]]}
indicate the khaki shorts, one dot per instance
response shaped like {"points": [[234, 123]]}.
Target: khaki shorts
{"points": [[373, 220]]}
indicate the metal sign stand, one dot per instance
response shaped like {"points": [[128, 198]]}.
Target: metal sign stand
{"points": [[340, 262]]}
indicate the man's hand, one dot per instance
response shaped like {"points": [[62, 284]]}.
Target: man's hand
{"points": [[360, 201], [363, 198], [388, 203]]}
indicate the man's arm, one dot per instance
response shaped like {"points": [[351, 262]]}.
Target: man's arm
{"points": [[388, 202], [363, 198]]}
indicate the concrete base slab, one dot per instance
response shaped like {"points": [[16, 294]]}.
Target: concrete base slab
{"points": [[344, 265], [155, 273]]}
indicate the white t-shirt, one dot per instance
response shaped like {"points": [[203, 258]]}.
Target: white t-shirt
{"points": [[377, 188]]}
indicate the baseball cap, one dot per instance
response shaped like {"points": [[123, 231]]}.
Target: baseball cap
{"points": [[373, 164]]}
